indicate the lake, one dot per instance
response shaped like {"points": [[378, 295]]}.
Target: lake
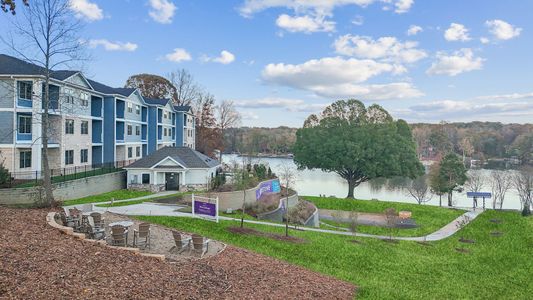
{"points": [[317, 182]]}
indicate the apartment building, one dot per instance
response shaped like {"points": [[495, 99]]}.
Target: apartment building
{"points": [[90, 123]]}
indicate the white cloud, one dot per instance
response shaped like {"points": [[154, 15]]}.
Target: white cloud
{"points": [[85, 9], [358, 20], [388, 49], [502, 30], [339, 77], [113, 46], [458, 62], [414, 30], [292, 105], [162, 11], [225, 58], [484, 40], [178, 55], [456, 32], [513, 96], [403, 6], [306, 24], [447, 109], [248, 115]]}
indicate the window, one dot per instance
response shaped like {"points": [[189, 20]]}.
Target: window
{"points": [[69, 95], [184, 120], [84, 127], [84, 99], [69, 157], [137, 130], [146, 179], [130, 130], [138, 151], [134, 179], [165, 132], [138, 109], [25, 159], [69, 126], [130, 152], [130, 107], [84, 155], [25, 90], [24, 124], [164, 114]]}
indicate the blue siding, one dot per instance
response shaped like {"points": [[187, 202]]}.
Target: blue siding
{"points": [[179, 128], [97, 131], [109, 129], [152, 129], [119, 133], [121, 107], [96, 106], [97, 155]]}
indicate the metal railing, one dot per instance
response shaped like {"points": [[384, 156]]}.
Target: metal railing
{"points": [[34, 178]]}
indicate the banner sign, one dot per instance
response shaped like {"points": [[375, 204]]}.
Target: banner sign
{"points": [[478, 195], [205, 207], [271, 186]]}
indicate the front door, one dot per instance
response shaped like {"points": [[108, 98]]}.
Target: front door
{"points": [[172, 182]]}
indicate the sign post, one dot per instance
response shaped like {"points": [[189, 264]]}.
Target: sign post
{"points": [[476, 195], [205, 208]]}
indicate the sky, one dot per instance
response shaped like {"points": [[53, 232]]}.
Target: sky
{"points": [[281, 60]]}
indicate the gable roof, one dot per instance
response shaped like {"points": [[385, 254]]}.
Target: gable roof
{"points": [[105, 89], [153, 101], [10, 65], [185, 156], [182, 108]]}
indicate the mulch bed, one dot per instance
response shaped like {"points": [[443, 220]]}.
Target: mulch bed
{"points": [[279, 237], [39, 262]]}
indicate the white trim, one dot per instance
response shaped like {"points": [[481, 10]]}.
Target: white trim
{"points": [[157, 164], [82, 76]]}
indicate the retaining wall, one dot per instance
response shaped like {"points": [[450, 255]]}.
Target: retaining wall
{"points": [[67, 190]]}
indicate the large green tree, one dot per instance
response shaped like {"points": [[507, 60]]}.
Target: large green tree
{"points": [[358, 143], [452, 173]]}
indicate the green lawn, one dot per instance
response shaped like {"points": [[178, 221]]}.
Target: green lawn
{"points": [[496, 267], [429, 218], [133, 202], [118, 195]]}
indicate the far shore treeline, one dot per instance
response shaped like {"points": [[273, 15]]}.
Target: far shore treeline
{"points": [[481, 141]]}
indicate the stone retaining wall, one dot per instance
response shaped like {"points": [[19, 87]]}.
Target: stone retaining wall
{"points": [[67, 190]]}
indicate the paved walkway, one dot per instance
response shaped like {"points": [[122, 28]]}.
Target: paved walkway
{"points": [[155, 209]]}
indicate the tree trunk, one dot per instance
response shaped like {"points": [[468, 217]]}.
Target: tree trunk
{"points": [[440, 200], [450, 204], [243, 206], [351, 187], [287, 214], [47, 180]]}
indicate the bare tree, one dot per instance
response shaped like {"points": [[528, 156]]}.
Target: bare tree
{"points": [[523, 182], [392, 217], [475, 181], [353, 224], [187, 90], [227, 117], [47, 35], [287, 176], [418, 188], [10, 5], [500, 182]]}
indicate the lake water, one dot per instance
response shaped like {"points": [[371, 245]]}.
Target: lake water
{"points": [[317, 182]]}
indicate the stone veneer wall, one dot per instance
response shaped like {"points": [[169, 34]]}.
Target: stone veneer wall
{"points": [[67, 190]]}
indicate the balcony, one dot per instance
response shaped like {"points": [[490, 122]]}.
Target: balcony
{"points": [[24, 137], [24, 103]]}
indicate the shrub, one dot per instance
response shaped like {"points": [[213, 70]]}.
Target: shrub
{"points": [[526, 211], [4, 174], [301, 212]]}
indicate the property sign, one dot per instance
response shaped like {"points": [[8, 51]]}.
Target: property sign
{"points": [[478, 195], [271, 186], [205, 207]]}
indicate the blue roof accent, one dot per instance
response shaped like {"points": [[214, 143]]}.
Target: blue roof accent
{"points": [[183, 108]]}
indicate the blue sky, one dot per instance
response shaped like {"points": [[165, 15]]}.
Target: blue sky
{"points": [[280, 60]]}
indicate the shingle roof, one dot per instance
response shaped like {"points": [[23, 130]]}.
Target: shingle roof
{"points": [[184, 108], [153, 101], [10, 65], [185, 156]]}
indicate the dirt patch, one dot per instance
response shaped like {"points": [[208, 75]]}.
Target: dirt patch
{"points": [[497, 221], [39, 262], [462, 250], [496, 233], [356, 242], [279, 237], [467, 241]]}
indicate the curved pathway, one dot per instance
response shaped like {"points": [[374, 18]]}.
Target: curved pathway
{"points": [[153, 209]]}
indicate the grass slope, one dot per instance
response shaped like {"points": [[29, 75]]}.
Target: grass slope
{"points": [[496, 267], [429, 218], [118, 195]]}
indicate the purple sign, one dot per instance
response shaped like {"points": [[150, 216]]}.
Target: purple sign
{"points": [[205, 208], [271, 186]]}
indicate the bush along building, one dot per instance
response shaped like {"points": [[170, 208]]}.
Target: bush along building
{"points": [[91, 124]]}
